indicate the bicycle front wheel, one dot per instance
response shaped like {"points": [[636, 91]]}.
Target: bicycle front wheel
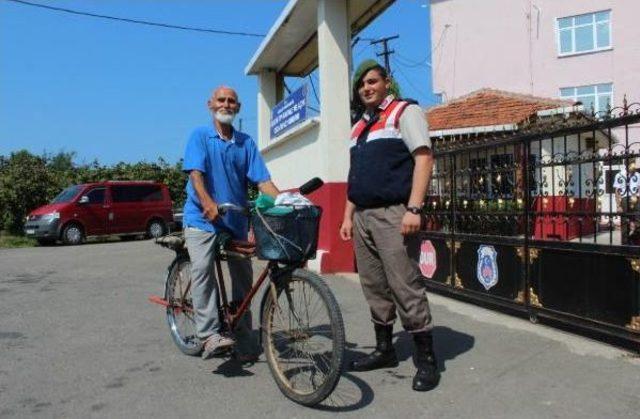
{"points": [[303, 337], [180, 313]]}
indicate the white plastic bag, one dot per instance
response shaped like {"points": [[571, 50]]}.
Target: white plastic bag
{"points": [[292, 198]]}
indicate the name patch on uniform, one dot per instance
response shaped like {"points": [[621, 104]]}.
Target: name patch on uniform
{"points": [[487, 268], [428, 261]]}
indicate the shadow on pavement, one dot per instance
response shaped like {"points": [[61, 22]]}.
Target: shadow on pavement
{"points": [[448, 344], [351, 393], [232, 368]]}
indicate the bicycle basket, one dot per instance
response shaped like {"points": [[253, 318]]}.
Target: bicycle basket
{"points": [[288, 237]]}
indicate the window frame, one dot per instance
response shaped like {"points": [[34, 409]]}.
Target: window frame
{"points": [[572, 29], [136, 193], [95, 189], [596, 94]]}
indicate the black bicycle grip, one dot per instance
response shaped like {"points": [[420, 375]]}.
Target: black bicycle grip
{"points": [[311, 186]]}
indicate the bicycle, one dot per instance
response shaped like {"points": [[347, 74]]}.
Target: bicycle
{"points": [[302, 332]]}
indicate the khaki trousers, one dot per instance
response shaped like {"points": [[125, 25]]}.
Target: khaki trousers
{"points": [[388, 269], [204, 289]]}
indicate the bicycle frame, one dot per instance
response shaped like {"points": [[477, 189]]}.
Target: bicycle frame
{"points": [[272, 270], [231, 317]]}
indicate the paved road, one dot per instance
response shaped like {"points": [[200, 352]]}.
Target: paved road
{"points": [[78, 339]]}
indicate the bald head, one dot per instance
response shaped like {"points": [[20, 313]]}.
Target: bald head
{"points": [[224, 90]]}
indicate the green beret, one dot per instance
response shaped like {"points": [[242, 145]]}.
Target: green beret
{"points": [[363, 68]]}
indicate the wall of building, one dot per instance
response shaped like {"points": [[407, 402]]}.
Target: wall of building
{"points": [[300, 155], [294, 160], [512, 45]]}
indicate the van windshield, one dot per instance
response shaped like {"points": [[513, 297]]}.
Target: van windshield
{"points": [[67, 194]]}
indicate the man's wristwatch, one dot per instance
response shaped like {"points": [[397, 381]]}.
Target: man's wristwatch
{"points": [[414, 210]]}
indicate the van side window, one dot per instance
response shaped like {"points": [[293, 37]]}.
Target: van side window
{"points": [[136, 193], [96, 196]]}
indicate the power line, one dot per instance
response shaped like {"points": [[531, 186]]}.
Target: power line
{"points": [[286, 87], [426, 62], [140, 22], [418, 90], [358, 39], [407, 62], [363, 49], [313, 87]]}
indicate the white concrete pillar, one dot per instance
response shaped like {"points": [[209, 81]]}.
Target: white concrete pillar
{"points": [[267, 99], [334, 52]]}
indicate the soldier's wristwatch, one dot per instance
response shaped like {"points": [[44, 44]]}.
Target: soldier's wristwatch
{"points": [[414, 210]]}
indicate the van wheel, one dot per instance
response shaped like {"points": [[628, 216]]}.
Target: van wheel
{"points": [[155, 229], [72, 234]]}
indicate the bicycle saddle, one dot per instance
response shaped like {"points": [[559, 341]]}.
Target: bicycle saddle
{"points": [[173, 241]]}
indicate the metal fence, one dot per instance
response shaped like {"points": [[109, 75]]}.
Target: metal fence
{"points": [[546, 221]]}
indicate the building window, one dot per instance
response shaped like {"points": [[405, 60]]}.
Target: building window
{"points": [[584, 33], [597, 97]]}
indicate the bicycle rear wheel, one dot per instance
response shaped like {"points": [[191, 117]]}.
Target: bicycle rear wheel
{"points": [[303, 337], [180, 309]]}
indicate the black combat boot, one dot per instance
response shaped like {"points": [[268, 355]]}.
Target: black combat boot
{"points": [[383, 356], [427, 376]]}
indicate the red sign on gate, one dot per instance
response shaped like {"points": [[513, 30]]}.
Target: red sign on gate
{"points": [[428, 261]]}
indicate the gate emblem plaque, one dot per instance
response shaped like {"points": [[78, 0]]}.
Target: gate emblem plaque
{"points": [[428, 261], [487, 268]]}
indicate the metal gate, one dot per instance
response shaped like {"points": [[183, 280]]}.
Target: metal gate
{"points": [[546, 221]]}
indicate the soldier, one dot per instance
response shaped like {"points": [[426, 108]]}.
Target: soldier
{"points": [[391, 165]]}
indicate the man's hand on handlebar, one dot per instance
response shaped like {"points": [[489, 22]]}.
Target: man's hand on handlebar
{"points": [[223, 209], [210, 211]]}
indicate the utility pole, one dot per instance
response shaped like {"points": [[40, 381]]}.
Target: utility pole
{"points": [[385, 50]]}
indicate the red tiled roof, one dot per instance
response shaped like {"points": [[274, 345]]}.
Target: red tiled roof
{"points": [[487, 107]]}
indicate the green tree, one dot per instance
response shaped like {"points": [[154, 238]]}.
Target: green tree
{"points": [[23, 186]]}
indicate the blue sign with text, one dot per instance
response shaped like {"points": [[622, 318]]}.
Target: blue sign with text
{"points": [[291, 111]]}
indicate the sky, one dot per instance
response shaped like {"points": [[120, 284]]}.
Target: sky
{"points": [[116, 91]]}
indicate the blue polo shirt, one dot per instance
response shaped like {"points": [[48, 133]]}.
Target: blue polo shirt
{"points": [[227, 167]]}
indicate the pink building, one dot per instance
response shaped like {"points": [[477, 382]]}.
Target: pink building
{"points": [[586, 50]]}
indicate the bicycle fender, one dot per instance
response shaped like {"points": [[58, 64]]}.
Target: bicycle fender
{"points": [[180, 257]]}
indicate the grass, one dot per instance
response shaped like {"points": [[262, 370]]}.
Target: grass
{"points": [[9, 241]]}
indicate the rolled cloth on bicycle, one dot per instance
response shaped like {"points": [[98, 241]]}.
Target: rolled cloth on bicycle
{"points": [[266, 204], [279, 210]]}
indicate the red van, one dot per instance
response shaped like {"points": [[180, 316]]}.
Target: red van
{"points": [[124, 208]]}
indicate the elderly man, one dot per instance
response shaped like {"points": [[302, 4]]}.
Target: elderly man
{"points": [[221, 162]]}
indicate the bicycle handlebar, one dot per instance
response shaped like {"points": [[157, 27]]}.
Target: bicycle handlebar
{"points": [[305, 189], [224, 208], [311, 186]]}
